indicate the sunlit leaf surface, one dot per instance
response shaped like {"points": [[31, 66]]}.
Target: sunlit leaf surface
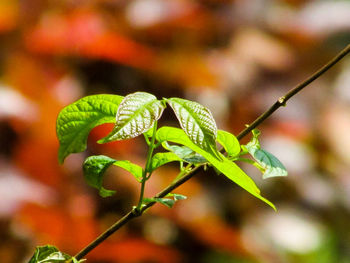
{"points": [[197, 122], [227, 167], [50, 254], [75, 121], [229, 142], [136, 115]]}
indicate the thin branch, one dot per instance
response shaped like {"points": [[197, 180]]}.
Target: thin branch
{"points": [[280, 102], [283, 100], [135, 213]]}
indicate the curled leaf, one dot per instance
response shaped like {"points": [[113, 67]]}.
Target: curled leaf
{"points": [[94, 169]]}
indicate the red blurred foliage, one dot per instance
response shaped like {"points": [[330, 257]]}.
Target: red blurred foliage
{"points": [[133, 250], [9, 13], [83, 33], [39, 159], [56, 225]]}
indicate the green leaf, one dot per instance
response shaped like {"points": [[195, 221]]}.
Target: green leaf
{"points": [[229, 142], [160, 159], [185, 153], [228, 168], [94, 168], [149, 132], [267, 162], [197, 122], [136, 115], [134, 169], [49, 254], [75, 121], [164, 201]]}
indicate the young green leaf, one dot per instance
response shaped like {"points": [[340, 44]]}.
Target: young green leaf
{"points": [[160, 159], [185, 153], [197, 122], [75, 121], [229, 142], [267, 162], [164, 201], [177, 197], [94, 168], [50, 254], [136, 115], [228, 168], [272, 167]]}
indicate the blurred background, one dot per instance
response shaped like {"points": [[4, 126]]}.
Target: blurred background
{"points": [[234, 56]]}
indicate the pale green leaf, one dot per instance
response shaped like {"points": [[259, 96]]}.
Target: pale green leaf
{"points": [[271, 166], [177, 197], [229, 142], [228, 168], [160, 159], [197, 122], [185, 153], [94, 169], [48, 254], [136, 114], [134, 169], [267, 162], [75, 121]]}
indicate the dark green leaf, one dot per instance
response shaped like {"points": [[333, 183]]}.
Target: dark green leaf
{"points": [[197, 122], [160, 159], [228, 168], [75, 121], [94, 168], [136, 115], [49, 254], [229, 142]]}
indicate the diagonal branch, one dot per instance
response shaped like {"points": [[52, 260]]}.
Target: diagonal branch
{"points": [[283, 100], [280, 102]]}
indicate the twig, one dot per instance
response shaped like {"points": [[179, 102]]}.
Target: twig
{"points": [[283, 100], [135, 213], [280, 102]]}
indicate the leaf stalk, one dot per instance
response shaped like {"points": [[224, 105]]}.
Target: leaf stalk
{"points": [[146, 173]]}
